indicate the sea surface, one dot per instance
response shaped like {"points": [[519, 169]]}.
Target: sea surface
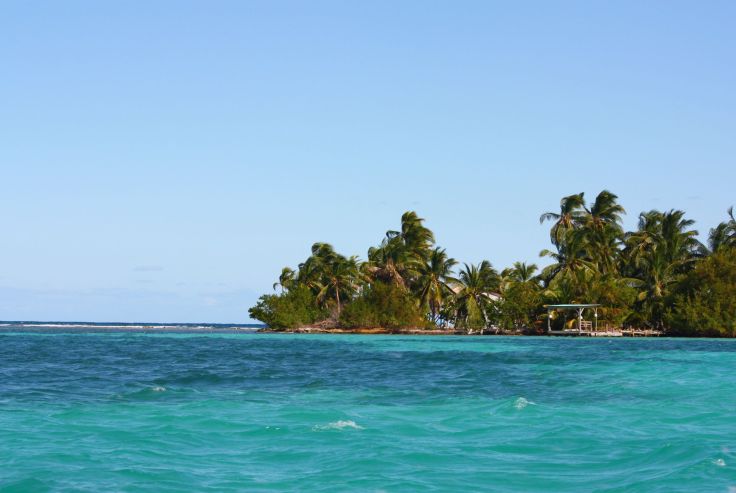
{"points": [[158, 410]]}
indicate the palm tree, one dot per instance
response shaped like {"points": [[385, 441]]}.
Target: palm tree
{"points": [[473, 300], [417, 238], [605, 212], [401, 253], [724, 235], [287, 279], [339, 281], [570, 217], [521, 296], [311, 269], [570, 263], [435, 281], [392, 263], [681, 242], [521, 272], [330, 276], [657, 255], [602, 225]]}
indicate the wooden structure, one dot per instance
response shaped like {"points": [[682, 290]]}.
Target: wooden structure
{"points": [[590, 328], [582, 327]]}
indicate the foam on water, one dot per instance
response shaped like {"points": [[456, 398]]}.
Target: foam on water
{"points": [[89, 326], [521, 403], [339, 425]]}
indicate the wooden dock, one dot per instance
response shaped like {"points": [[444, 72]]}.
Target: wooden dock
{"points": [[586, 333], [641, 333], [606, 333]]}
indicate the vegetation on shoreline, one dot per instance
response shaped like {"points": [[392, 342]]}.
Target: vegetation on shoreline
{"points": [[659, 276]]}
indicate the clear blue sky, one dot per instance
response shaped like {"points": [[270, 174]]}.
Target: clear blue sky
{"points": [[161, 161]]}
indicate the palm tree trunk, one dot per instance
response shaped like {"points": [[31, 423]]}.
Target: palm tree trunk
{"points": [[337, 297]]}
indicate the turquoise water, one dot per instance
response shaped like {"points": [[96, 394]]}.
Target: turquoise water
{"points": [[125, 411]]}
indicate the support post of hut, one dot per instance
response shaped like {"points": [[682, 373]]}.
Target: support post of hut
{"points": [[580, 319]]}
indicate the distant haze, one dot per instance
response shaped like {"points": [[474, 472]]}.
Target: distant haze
{"points": [[161, 161]]}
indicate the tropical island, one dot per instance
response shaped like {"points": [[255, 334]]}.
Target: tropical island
{"points": [[659, 277]]}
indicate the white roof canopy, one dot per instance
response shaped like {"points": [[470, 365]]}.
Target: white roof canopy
{"points": [[572, 306]]}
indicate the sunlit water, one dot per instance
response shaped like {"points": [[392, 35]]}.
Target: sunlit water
{"points": [[126, 411]]}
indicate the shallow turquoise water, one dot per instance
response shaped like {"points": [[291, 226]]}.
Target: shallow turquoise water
{"points": [[126, 411]]}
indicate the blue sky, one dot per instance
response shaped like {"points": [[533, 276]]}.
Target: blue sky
{"points": [[161, 161]]}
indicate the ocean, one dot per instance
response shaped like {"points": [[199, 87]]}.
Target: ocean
{"points": [[85, 409]]}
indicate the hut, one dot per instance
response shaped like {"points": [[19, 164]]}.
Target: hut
{"points": [[582, 327]]}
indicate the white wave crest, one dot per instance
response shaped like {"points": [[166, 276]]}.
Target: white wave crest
{"points": [[719, 462], [158, 389], [521, 403], [339, 425]]}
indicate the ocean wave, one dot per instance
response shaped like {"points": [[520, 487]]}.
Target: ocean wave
{"points": [[128, 326], [522, 402], [118, 326], [339, 425]]}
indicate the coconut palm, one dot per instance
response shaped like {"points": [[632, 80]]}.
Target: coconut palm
{"points": [[571, 215], [392, 263], [338, 281], [287, 279], [473, 295], [521, 272], [571, 264], [658, 254], [681, 242], [435, 281], [416, 238], [724, 235], [605, 212], [602, 226], [402, 253], [331, 277], [604, 249], [310, 271]]}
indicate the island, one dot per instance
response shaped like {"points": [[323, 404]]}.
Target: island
{"points": [[658, 279]]}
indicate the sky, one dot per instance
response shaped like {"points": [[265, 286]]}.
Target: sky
{"points": [[162, 161]]}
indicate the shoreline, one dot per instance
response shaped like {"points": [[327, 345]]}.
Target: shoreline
{"points": [[364, 331], [630, 333]]}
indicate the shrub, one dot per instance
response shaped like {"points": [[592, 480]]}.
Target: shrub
{"points": [[294, 308], [705, 301], [383, 305]]}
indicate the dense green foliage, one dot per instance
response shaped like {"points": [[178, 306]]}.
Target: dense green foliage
{"points": [[705, 303], [383, 305], [659, 276], [292, 308], [519, 307]]}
